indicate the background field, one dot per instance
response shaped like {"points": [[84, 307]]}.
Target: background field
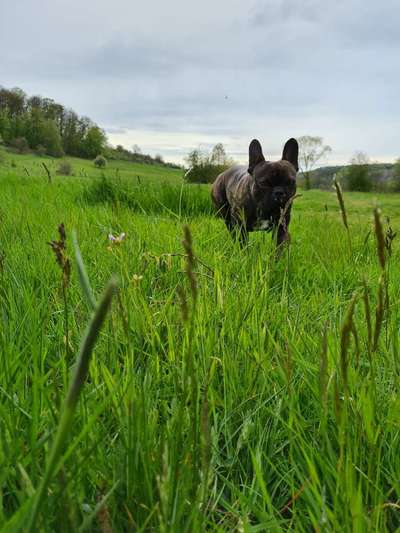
{"points": [[241, 404]]}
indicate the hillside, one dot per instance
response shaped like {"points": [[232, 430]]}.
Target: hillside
{"points": [[380, 174], [32, 165]]}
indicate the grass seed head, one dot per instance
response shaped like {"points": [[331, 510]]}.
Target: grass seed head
{"points": [[380, 240], [59, 249]]}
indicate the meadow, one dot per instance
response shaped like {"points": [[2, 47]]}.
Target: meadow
{"points": [[226, 391]]}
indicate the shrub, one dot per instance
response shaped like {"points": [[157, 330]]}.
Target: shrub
{"points": [[100, 161], [204, 167], [40, 150], [395, 182], [20, 144], [204, 173], [64, 168], [357, 174]]}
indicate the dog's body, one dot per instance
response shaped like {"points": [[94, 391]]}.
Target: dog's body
{"points": [[256, 198]]}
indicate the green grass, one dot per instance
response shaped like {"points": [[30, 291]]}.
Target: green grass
{"points": [[218, 406], [32, 165]]}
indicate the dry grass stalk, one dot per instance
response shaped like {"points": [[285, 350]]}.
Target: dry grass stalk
{"points": [[339, 194], [380, 240], [389, 237], [62, 259]]}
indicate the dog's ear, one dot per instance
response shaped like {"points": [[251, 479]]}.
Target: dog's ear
{"points": [[255, 155], [291, 153]]}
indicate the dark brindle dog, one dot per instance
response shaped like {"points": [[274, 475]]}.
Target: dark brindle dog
{"points": [[257, 197]]}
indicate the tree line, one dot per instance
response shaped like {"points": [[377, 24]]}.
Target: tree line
{"points": [[359, 175], [43, 125], [35, 123]]}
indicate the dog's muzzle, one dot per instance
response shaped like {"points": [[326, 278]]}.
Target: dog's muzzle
{"points": [[279, 196]]}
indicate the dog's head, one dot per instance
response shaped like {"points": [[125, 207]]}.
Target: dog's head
{"points": [[274, 182]]}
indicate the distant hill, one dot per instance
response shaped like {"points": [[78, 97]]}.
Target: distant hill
{"points": [[380, 174]]}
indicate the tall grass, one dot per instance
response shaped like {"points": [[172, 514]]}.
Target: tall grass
{"points": [[227, 391], [149, 199]]}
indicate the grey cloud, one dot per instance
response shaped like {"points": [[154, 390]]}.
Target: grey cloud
{"points": [[287, 67]]}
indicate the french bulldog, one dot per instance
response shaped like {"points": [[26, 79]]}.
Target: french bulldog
{"points": [[258, 197]]}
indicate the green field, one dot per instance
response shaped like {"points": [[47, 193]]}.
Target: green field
{"points": [[235, 393], [32, 165]]}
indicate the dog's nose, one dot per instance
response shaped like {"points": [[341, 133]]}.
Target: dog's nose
{"points": [[279, 196]]}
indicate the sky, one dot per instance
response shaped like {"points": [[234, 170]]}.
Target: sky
{"points": [[175, 75]]}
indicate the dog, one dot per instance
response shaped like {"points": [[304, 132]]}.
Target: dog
{"points": [[258, 197]]}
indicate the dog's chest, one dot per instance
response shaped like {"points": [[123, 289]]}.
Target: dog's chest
{"points": [[262, 225]]}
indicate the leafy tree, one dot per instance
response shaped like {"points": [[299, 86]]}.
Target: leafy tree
{"points": [[218, 155], [312, 150], [94, 142], [204, 167], [396, 176], [5, 126], [194, 158], [50, 137], [357, 173]]}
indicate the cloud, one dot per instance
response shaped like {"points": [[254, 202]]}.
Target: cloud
{"points": [[165, 68]]}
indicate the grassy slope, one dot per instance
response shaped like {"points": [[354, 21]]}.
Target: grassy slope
{"points": [[85, 168], [268, 450]]}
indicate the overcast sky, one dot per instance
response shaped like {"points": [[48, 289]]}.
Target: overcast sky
{"points": [[170, 75]]}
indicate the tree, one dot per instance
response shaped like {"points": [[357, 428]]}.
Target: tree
{"points": [[357, 173], [194, 158], [136, 149], [205, 167], [218, 155], [396, 176], [312, 150], [50, 138], [94, 142]]}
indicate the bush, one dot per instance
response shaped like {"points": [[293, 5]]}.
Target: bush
{"points": [[40, 150], [205, 167], [64, 168], [20, 144], [395, 182], [204, 173], [100, 161], [357, 174]]}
